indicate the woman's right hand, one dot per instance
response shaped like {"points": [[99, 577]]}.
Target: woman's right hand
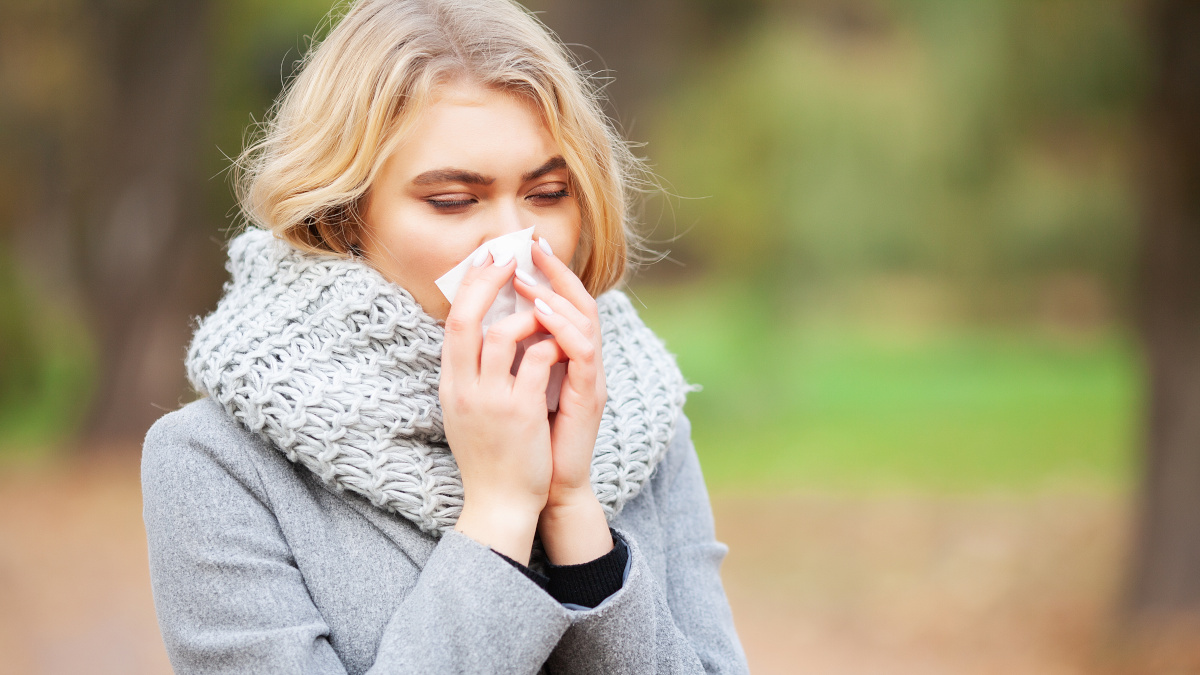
{"points": [[496, 423]]}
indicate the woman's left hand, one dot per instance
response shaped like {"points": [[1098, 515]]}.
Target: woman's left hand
{"points": [[572, 526]]}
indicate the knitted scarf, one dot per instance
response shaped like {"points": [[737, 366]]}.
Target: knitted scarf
{"points": [[338, 368]]}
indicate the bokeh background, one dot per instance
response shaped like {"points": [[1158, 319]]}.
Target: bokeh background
{"points": [[933, 263]]}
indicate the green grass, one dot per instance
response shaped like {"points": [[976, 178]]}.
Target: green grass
{"points": [[841, 405]]}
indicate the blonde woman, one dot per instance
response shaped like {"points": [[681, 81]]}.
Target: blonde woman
{"points": [[372, 481]]}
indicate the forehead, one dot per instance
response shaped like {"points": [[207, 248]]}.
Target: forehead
{"points": [[479, 128]]}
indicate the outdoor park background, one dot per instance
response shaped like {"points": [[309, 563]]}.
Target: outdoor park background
{"points": [[899, 251]]}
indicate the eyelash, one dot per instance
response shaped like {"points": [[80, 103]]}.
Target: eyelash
{"points": [[559, 194], [449, 204], [445, 205]]}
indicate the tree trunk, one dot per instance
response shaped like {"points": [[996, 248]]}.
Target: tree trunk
{"points": [[1163, 604], [141, 241]]}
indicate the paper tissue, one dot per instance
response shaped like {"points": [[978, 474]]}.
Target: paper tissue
{"points": [[517, 245]]}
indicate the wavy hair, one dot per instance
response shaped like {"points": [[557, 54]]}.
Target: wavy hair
{"points": [[360, 89]]}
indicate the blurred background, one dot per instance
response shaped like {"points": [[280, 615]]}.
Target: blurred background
{"points": [[935, 263]]}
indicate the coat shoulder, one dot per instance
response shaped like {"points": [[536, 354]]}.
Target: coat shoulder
{"points": [[192, 441]]}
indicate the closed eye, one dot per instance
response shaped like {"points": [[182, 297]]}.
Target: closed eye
{"points": [[548, 198], [449, 204]]}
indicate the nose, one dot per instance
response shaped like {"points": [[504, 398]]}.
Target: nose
{"points": [[507, 218]]}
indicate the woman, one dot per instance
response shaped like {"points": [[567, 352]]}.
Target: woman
{"points": [[372, 482]]}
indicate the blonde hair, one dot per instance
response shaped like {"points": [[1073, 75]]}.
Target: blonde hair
{"points": [[360, 88]]}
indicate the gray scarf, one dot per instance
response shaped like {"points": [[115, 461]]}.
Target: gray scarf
{"points": [[339, 368]]}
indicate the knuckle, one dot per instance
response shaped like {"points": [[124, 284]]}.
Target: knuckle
{"points": [[491, 405], [466, 402], [454, 399], [542, 353], [587, 353], [456, 324]]}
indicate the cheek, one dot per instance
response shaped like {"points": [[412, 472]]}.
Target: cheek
{"points": [[407, 248], [564, 236]]}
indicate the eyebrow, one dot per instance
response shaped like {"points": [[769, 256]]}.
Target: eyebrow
{"points": [[452, 176], [555, 162]]}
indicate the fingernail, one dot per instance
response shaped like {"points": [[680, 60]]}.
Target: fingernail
{"points": [[480, 258], [542, 307], [545, 246], [501, 259], [526, 278]]}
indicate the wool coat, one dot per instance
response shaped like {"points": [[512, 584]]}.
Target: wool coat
{"points": [[258, 566]]}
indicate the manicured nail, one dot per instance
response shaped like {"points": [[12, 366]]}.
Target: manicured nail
{"points": [[545, 246], [526, 278], [543, 307], [502, 258], [480, 258]]}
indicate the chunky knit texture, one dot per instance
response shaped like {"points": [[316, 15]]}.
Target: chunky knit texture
{"points": [[339, 369]]}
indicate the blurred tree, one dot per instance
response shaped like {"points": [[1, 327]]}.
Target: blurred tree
{"points": [[639, 45], [980, 147], [1166, 572], [105, 110], [141, 225], [45, 94]]}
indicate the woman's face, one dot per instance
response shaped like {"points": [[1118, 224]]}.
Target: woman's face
{"points": [[479, 163]]}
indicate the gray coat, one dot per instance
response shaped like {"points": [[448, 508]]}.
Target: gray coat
{"points": [[259, 567]]}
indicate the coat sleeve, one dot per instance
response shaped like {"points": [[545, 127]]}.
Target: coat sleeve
{"points": [[684, 626], [230, 598]]}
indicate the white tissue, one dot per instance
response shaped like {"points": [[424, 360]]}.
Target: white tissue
{"points": [[518, 245]]}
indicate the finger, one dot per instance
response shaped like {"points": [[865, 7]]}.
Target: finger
{"points": [[534, 374], [558, 304], [580, 349], [464, 332], [500, 345], [562, 279]]}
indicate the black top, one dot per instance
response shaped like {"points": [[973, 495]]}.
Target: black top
{"points": [[586, 584]]}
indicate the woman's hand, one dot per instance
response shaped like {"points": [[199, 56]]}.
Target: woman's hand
{"points": [[572, 525], [495, 422]]}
